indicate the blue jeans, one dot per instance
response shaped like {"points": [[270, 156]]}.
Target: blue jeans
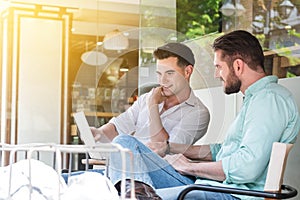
{"points": [[148, 167], [172, 194], [153, 170]]}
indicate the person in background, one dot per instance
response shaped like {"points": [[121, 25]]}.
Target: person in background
{"points": [[170, 112], [269, 114]]}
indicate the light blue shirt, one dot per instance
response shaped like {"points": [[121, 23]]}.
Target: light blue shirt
{"points": [[269, 114]]}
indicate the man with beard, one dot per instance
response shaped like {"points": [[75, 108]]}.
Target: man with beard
{"points": [[269, 114]]}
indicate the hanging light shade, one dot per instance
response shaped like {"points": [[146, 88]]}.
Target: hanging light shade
{"points": [[115, 40], [239, 8], [94, 58], [286, 8], [227, 8]]}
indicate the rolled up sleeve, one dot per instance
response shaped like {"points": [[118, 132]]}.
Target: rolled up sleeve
{"points": [[214, 149]]}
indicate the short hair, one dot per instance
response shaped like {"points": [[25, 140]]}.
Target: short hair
{"points": [[182, 52], [243, 45]]}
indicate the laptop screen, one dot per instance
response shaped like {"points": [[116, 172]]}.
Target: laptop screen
{"points": [[86, 134]]}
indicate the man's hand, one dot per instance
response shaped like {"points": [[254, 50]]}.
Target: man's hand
{"points": [[105, 133], [157, 96], [157, 131], [180, 163], [158, 147], [204, 169], [96, 133]]}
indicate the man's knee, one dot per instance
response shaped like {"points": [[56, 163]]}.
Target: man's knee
{"points": [[125, 140]]}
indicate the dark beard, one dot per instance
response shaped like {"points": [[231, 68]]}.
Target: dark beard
{"points": [[234, 85]]}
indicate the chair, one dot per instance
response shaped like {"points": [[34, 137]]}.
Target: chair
{"points": [[274, 187]]}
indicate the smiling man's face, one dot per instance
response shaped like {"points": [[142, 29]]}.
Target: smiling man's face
{"points": [[170, 76]]}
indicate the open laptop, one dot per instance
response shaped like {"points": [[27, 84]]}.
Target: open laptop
{"points": [[86, 134]]}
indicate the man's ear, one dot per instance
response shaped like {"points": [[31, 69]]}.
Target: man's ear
{"points": [[188, 71], [238, 66]]}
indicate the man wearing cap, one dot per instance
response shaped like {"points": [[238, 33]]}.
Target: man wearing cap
{"points": [[168, 113]]}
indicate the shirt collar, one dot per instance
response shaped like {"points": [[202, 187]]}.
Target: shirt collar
{"points": [[260, 84], [192, 100]]}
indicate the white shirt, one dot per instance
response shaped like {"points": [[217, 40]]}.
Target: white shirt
{"points": [[185, 123]]}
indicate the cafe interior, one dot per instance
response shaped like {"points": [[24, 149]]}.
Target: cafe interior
{"points": [[61, 57]]}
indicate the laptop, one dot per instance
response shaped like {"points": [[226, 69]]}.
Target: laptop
{"points": [[86, 134]]}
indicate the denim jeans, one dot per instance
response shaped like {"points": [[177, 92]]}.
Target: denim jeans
{"points": [[150, 168], [172, 194]]}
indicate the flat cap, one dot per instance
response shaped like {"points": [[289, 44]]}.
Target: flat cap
{"points": [[181, 50]]}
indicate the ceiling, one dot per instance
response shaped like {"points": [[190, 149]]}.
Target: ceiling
{"points": [[100, 19], [92, 19], [90, 26]]}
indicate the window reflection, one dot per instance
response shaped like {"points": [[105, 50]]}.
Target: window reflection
{"points": [[276, 23]]}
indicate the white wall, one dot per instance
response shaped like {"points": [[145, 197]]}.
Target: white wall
{"points": [[222, 110], [292, 175]]}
